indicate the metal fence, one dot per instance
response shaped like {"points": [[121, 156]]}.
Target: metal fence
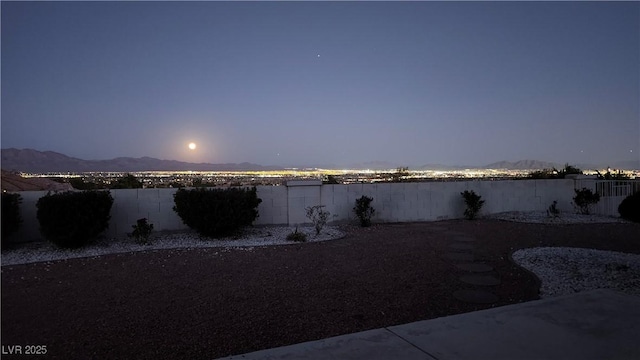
{"points": [[612, 192], [607, 188]]}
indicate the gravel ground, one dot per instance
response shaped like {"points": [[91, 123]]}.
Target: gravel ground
{"points": [[204, 302]]}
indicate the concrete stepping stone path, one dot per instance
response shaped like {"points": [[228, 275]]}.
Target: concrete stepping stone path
{"points": [[476, 274], [475, 296], [474, 267], [461, 246], [480, 279], [464, 239], [457, 256]]}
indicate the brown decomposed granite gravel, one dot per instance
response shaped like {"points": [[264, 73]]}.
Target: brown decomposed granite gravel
{"points": [[211, 302]]}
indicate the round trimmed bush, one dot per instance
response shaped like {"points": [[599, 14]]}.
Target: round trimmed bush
{"points": [[217, 212], [71, 219], [629, 208], [10, 215]]}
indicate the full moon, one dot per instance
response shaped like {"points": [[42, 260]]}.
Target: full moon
{"points": [[192, 146]]}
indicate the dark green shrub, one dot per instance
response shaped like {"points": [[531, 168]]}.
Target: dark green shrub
{"points": [[364, 211], [474, 204], [552, 210], [555, 173], [10, 215], [584, 199], [569, 170], [318, 217], [217, 212], [297, 236], [331, 180], [127, 182], [544, 174], [80, 184], [400, 174], [629, 208], [71, 219], [142, 230]]}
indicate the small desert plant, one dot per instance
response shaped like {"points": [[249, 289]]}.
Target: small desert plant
{"points": [[553, 211], [217, 212], [584, 199], [70, 219], [142, 230], [364, 210], [629, 208], [297, 236], [474, 204], [10, 215], [317, 216]]}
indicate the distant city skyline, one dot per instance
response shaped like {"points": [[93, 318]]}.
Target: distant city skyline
{"points": [[281, 83]]}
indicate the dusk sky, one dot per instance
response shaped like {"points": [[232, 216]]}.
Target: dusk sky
{"points": [[292, 83]]}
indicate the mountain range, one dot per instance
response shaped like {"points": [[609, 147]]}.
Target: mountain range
{"points": [[29, 160], [34, 161]]}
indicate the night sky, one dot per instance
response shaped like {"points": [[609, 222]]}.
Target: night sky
{"points": [[290, 83]]}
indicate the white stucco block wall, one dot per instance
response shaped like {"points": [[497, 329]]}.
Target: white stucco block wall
{"points": [[29, 230], [393, 202], [156, 205], [273, 208], [301, 195]]}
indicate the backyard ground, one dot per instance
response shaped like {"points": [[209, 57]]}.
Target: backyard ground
{"points": [[212, 302]]}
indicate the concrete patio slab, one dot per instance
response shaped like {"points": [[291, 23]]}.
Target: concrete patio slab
{"points": [[375, 344], [600, 324]]}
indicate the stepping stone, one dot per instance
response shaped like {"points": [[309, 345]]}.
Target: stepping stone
{"points": [[438, 228], [475, 296], [479, 279], [464, 238], [459, 256], [461, 246], [474, 267], [456, 233]]}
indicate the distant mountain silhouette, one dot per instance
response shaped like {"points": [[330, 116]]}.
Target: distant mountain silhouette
{"points": [[619, 165], [539, 165], [29, 160], [626, 165], [444, 167], [523, 165], [374, 165]]}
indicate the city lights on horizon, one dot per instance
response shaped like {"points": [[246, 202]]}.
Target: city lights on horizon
{"points": [[153, 179]]}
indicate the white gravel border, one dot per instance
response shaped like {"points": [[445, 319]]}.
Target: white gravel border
{"points": [[252, 237], [565, 270], [541, 217]]}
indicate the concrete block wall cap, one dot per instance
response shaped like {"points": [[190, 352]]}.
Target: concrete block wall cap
{"points": [[581, 177], [304, 183]]}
